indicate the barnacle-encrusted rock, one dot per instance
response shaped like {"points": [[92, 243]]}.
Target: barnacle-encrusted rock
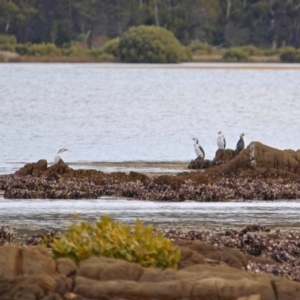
{"points": [[33, 169], [200, 163], [223, 155]]}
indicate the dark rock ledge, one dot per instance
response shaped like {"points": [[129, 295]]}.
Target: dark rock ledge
{"points": [[259, 172]]}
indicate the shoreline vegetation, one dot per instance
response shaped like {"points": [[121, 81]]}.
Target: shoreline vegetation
{"points": [[141, 44]]}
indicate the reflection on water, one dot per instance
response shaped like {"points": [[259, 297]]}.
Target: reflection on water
{"points": [[60, 213]]}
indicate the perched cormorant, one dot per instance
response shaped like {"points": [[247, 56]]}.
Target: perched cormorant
{"points": [[240, 144], [221, 140], [57, 157], [198, 149]]}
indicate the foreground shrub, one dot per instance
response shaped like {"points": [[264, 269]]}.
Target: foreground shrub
{"points": [[112, 47], [235, 54], [290, 55], [151, 44], [113, 239]]}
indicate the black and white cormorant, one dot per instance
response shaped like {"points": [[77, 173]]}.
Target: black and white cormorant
{"points": [[57, 158], [240, 144], [198, 149], [221, 140]]}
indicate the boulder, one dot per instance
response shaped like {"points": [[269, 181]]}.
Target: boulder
{"points": [[261, 159], [33, 169], [10, 257], [200, 163], [232, 257], [32, 260], [223, 155], [37, 260], [65, 266]]}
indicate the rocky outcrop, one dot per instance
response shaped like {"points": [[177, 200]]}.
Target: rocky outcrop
{"points": [[260, 159], [33, 169], [257, 172], [200, 163], [107, 278]]}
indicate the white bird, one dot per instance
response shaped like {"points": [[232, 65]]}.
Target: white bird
{"points": [[198, 149], [57, 158], [240, 144], [221, 140]]}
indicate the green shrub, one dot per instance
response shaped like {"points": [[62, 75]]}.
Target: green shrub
{"points": [[115, 240], [270, 52], [151, 44], [235, 54], [95, 53], [8, 47], [44, 49], [8, 39], [74, 52], [290, 55], [22, 49], [199, 48], [8, 42], [112, 47], [251, 50]]}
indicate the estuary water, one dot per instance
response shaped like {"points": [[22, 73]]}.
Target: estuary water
{"points": [[127, 112], [143, 113], [42, 214]]}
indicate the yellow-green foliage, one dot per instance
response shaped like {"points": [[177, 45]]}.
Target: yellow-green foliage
{"points": [[112, 47], [44, 49], [199, 48], [251, 50], [8, 42], [235, 54], [114, 239], [151, 44]]}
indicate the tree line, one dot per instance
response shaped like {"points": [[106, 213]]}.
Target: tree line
{"points": [[222, 23]]}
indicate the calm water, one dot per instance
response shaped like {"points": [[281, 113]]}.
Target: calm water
{"points": [[119, 112], [60, 213]]}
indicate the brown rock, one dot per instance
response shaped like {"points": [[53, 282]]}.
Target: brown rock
{"points": [[173, 181], [107, 269], [27, 287], [65, 266], [230, 256], [223, 155], [37, 260], [33, 169], [209, 288], [206, 289], [258, 158], [189, 258], [134, 176], [56, 170], [10, 257], [63, 284], [200, 163]]}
